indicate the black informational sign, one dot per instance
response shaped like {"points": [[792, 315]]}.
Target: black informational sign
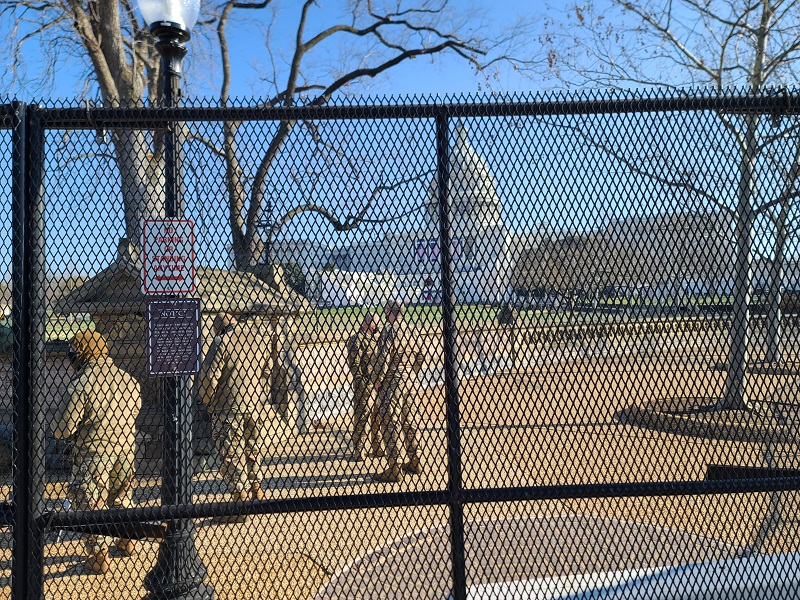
{"points": [[173, 337]]}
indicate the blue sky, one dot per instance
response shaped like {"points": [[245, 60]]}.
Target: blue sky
{"points": [[573, 188], [443, 74], [84, 208], [76, 227]]}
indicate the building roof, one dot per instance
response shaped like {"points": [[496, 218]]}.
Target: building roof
{"points": [[117, 290]]}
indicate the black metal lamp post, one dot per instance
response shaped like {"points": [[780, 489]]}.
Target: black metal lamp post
{"points": [[179, 573], [266, 224]]}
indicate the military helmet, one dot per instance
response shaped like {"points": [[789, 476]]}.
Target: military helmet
{"points": [[87, 345]]}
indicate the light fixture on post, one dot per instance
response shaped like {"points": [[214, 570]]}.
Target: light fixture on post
{"points": [[178, 574], [171, 23]]}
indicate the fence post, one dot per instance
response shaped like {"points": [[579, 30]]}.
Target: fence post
{"points": [[179, 572], [454, 482], [28, 351]]}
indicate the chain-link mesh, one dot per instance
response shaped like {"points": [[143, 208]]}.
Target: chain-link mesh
{"points": [[9, 397], [6, 417], [400, 349]]}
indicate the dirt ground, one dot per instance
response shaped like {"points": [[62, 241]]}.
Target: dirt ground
{"points": [[551, 424]]}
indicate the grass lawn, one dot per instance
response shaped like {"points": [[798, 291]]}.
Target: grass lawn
{"points": [[339, 321], [347, 319], [61, 328]]}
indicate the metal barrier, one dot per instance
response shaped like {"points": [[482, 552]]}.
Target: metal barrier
{"points": [[400, 349]]}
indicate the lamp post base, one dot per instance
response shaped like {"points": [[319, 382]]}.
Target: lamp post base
{"points": [[179, 573]]}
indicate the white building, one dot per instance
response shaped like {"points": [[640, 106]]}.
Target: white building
{"points": [[347, 288], [312, 256], [484, 249], [672, 253]]}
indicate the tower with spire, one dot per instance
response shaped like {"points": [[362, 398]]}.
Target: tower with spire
{"points": [[472, 189]]}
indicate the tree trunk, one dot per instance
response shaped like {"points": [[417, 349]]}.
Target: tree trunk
{"points": [[141, 181], [236, 194], [252, 250], [735, 395], [774, 317]]}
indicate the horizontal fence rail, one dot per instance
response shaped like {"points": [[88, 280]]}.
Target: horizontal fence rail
{"points": [[782, 102], [774, 483]]}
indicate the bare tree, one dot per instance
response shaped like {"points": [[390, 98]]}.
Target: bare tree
{"points": [[394, 33], [111, 41], [567, 265], [716, 43]]}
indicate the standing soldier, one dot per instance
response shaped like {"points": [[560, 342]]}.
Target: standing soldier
{"points": [[231, 386], [98, 415], [362, 353], [399, 360]]}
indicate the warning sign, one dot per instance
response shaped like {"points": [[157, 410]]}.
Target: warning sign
{"points": [[168, 256], [173, 337]]}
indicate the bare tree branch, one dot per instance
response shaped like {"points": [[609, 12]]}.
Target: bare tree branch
{"points": [[644, 170], [351, 221], [108, 38], [194, 136]]}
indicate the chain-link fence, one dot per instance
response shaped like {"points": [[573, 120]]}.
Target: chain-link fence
{"points": [[472, 349]]}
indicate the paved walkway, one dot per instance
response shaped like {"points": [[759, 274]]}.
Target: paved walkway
{"points": [[516, 549], [551, 425]]}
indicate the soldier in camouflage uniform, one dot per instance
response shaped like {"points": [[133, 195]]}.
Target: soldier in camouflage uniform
{"points": [[399, 361], [97, 414], [362, 353], [231, 386]]}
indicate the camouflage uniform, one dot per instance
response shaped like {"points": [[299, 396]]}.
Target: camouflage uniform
{"points": [[233, 386], [399, 360], [98, 414], [362, 354]]}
